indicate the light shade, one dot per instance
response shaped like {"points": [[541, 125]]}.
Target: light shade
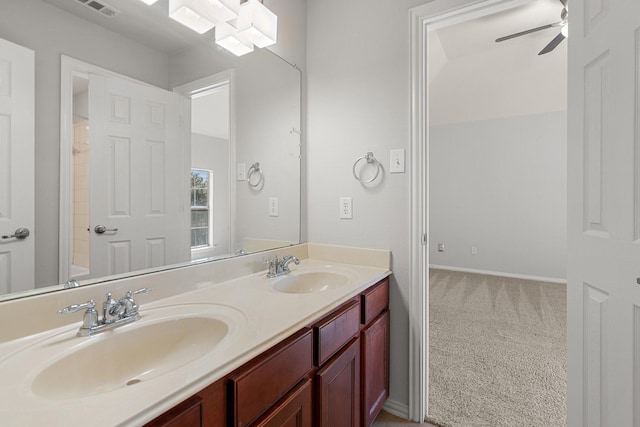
{"points": [[565, 30], [257, 24], [149, 2], [202, 15], [187, 16], [227, 37]]}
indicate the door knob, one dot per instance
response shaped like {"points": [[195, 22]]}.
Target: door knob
{"points": [[20, 233], [103, 229]]}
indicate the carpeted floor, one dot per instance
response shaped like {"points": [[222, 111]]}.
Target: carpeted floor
{"points": [[497, 351]]}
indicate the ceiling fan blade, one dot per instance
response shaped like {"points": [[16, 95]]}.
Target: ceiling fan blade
{"points": [[552, 44], [522, 33]]}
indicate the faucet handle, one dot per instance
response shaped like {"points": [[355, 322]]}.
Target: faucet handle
{"points": [[140, 291], [90, 318], [77, 307], [129, 304]]}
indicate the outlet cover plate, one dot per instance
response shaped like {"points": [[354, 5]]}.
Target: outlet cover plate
{"points": [[346, 208], [274, 207]]}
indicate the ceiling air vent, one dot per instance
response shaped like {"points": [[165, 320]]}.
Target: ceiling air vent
{"points": [[100, 7]]}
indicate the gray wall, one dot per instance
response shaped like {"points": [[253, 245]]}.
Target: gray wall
{"points": [[358, 101], [51, 32], [500, 185]]}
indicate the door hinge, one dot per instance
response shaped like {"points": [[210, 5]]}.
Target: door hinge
{"points": [[424, 239]]}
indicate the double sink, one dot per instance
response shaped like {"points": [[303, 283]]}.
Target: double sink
{"points": [[166, 339]]}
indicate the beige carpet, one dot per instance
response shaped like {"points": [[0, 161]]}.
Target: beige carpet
{"points": [[497, 351]]}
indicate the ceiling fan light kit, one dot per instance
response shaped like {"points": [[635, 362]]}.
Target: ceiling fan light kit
{"points": [[564, 30]]}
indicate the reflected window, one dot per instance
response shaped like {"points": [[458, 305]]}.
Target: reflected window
{"points": [[201, 225]]}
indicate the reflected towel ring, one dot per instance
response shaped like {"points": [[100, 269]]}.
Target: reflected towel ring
{"points": [[371, 160], [255, 170]]}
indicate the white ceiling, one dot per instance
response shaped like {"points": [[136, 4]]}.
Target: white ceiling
{"points": [[151, 26], [148, 25], [474, 78], [480, 34]]}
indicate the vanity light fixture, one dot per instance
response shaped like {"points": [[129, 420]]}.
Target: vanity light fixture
{"points": [[257, 24], [187, 16], [238, 26], [227, 37], [203, 15]]}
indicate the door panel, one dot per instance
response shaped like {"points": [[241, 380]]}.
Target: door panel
{"points": [[17, 86], [604, 216], [137, 169]]}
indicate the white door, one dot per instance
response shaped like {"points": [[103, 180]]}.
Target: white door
{"points": [[604, 214], [138, 182], [17, 85]]}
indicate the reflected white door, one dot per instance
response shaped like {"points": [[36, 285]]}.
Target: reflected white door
{"points": [[139, 185], [17, 87], [604, 214]]}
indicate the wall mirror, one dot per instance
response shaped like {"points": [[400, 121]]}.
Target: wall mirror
{"points": [[168, 150]]}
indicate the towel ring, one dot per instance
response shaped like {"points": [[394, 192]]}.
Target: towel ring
{"points": [[255, 170], [371, 160]]}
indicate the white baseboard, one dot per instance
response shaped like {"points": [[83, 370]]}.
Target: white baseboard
{"points": [[395, 408], [500, 274]]}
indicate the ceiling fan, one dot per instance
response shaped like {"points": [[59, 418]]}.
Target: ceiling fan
{"points": [[563, 24]]}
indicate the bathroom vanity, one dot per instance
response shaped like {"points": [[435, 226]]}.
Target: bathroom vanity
{"points": [[217, 344], [334, 372]]}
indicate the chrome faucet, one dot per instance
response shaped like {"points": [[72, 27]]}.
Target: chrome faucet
{"points": [[279, 267], [115, 313]]}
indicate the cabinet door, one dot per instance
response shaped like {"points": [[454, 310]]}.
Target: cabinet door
{"points": [[295, 410], [186, 414], [338, 389], [375, 367]]}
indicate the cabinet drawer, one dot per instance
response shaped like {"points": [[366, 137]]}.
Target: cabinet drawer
{"points": [[374, 301], [256, 387], [335, 330]]}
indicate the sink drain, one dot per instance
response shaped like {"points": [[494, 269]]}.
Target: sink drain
{"points": [[133, 381]]}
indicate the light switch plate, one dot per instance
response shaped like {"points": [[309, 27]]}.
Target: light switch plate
{"points": [[241, 172], [396, 161]]}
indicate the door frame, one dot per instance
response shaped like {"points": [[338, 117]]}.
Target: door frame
{"points": [[203, 85], [70, 68], [438, 13]]}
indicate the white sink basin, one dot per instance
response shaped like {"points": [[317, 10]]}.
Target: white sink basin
{"points": [[305, 281], [163, 340]]}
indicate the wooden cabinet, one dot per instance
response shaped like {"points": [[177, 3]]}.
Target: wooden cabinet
{"points": [[338, 389], [258, 385], [204, 409], [294, 410], [333, 374], [375, 348]]}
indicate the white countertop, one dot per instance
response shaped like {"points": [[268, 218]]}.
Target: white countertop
{"points": [[264, 318]]}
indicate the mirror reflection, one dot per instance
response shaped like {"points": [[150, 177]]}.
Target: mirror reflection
{"points": [[163, 158]]}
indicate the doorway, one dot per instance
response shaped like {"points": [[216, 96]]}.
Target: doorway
{"points": [[424, 19], [212, 134]]}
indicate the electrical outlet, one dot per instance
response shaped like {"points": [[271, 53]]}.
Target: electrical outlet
{"points": [[474, 250], [273, 206], [346, 208], [440, 247]]}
